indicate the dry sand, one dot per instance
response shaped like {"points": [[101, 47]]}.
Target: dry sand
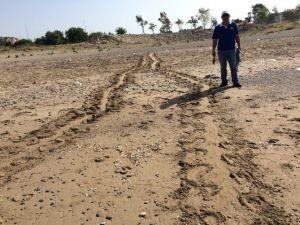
{"points": [[143, 135]]}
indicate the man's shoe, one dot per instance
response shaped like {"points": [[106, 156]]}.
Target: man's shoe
{"points": [[237, 85], [223, 84]]}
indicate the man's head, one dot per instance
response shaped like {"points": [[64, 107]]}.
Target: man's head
{"points": [[225, 16]]}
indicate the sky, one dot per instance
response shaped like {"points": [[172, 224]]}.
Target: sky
{"points": [[32, 18]]}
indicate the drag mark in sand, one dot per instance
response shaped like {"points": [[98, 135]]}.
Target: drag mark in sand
{"points": [[108, 91]]}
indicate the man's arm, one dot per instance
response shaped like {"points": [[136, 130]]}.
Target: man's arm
{"points": [[238, 41], [215, 38], [214, 45]]}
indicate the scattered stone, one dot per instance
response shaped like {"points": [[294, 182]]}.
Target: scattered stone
{"points": [[109, 217], [16, 198], [98, 214], [2, 174], [273, 141], [248, 121], [143, 214], [102, 223], [98, 160]]}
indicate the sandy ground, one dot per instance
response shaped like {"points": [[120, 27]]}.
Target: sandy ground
{"points": [[142, 135]]}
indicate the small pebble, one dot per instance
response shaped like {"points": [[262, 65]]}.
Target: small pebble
{"points": [[143, 214], [109, 217]]}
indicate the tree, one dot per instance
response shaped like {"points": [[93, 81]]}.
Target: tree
{"points": [[275, 10], [238, 20], [54, 38], [76, 35], [297, 9], [40, 41], [260, 13], [193, 21], [214, 22], [179, 23], [152, 27], [273, 17], [290, 14], [204, 16], [121, 30], [248, 19], [141, 22], [166, 23]]}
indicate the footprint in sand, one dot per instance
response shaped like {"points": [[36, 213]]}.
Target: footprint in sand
{"points": [[211, 217], [195, 174]]}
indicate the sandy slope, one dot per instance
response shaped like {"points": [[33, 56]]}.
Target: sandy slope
{"points": [[143, 135]]}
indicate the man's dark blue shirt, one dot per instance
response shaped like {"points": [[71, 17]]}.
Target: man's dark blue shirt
{"points": [[226, 36]]}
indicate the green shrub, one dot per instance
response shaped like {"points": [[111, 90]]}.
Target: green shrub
{"points": [[76, 35], [96, 36], [54, 38], [121, 30], [23, 42], [40, 41]]}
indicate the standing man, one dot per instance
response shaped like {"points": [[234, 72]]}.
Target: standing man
{"points": [[225, 36]]}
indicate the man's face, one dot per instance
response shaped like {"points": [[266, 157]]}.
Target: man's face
{"points": [[226, 18]]}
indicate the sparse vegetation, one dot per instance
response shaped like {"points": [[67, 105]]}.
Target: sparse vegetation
{"points": [[179, 23], [259, 15], [141, 22], [152, 27], [121, 31]]}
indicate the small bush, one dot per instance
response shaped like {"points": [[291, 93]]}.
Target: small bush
{"points": [[121, 31], [76, 35], [96, 36], [23, 42]]}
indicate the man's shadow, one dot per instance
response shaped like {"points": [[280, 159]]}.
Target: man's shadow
{"points": [[189, 97]]}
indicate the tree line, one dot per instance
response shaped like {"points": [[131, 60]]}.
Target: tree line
{"points": [[259, 14], [71, 36], [202, 16]]}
